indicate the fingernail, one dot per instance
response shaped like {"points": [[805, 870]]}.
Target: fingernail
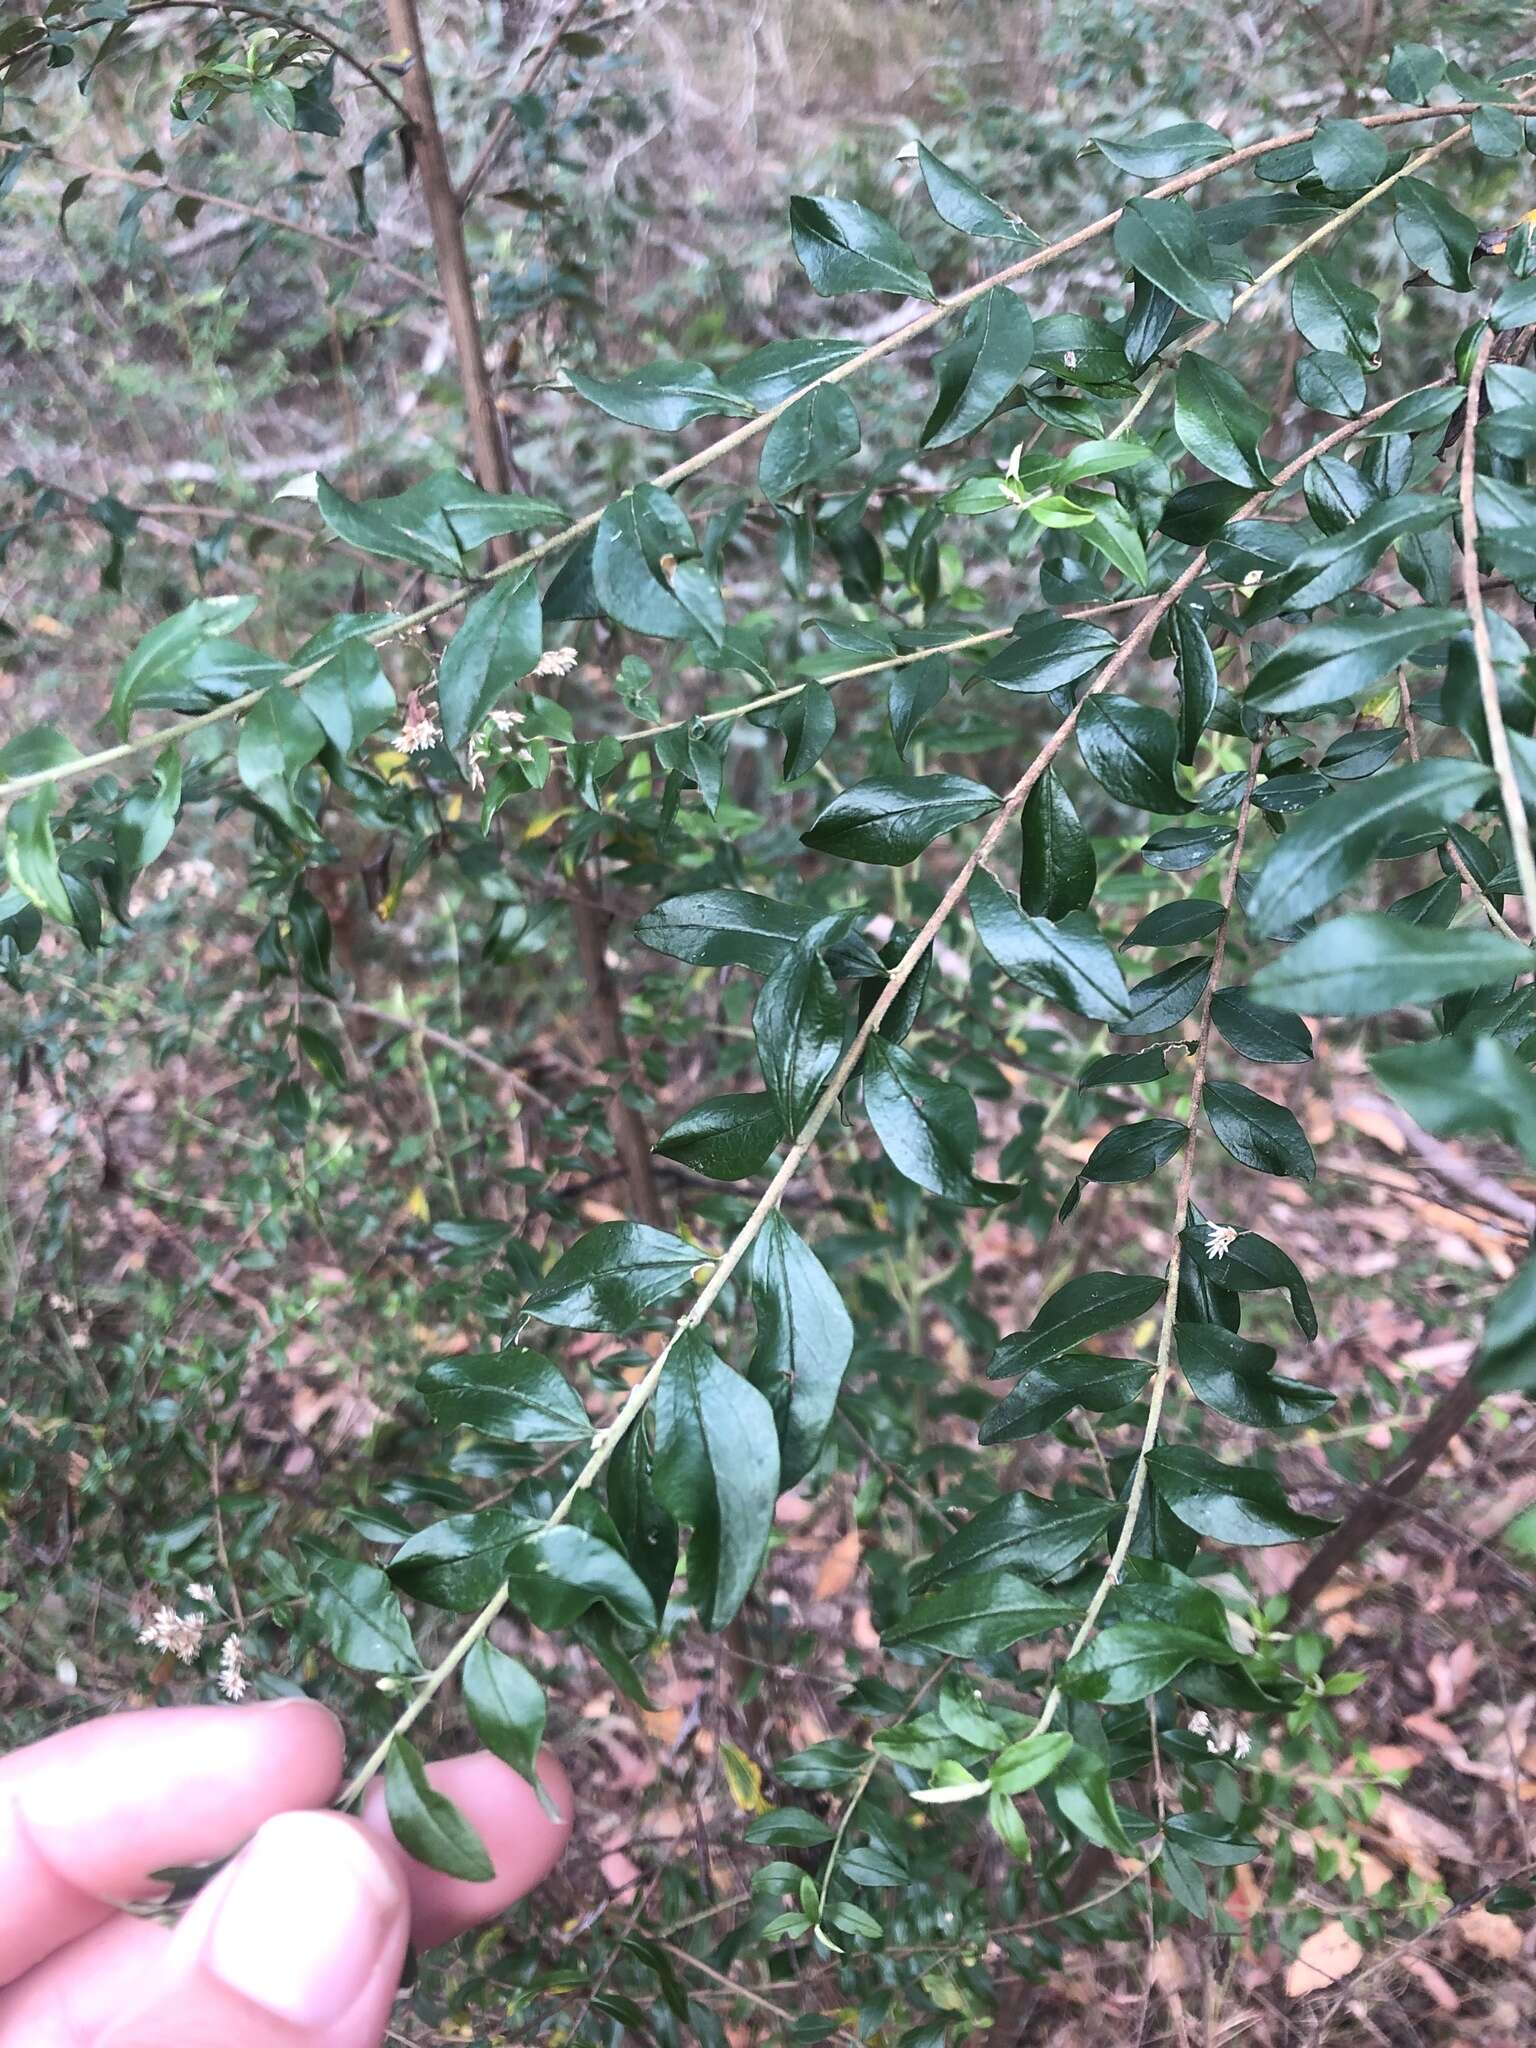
{"points": [[307, 1913]]}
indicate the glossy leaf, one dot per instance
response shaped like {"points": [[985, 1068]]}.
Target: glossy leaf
{"points": [[610, 1277], [716, 1471], [358, 1614], [1258, 1133], [1164, 242], [665, 396], [426, 1823], [1066, 961], [506, 1707], [844, 247], [499, 641], [727, 1137], [1237, 1504], [1131, 750], [1083, 1308], [890, 822], [1057, 870], [1218, 422], [514, 1396], [927, 1127], [963, 204], [804, 1342], [978, 1616], [979, 369]]}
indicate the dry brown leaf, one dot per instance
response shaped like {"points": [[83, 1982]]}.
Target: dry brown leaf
{"points": [[1324, 1958], [1450, 1674], [839, 1568], [1371, 1123], [1496, 1934], [1436, 1985], [1420, 1836]]}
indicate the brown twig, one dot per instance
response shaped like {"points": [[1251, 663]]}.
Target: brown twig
{"points": [[525, 81], [149, 181]]}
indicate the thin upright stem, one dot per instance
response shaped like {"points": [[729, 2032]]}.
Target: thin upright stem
{"points": [[1162, 1372], [1487, 675]]}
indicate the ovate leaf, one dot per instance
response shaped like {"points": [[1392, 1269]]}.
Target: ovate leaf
{"points": [[512, 1395], [717, 1471], [890, 822], [1359, 965], [844, 247], [804, 1342], [499, 641], [428, 1825], [610, 1277]]}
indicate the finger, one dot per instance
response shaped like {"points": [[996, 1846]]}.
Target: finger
{"points": [[85, 1816], [81, 1988], [523, 1843], [298, 1944]]}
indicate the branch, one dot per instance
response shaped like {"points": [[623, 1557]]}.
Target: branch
{"points": [[1162, 1375], [318, 35], [147, 181], [607, 1440], [525, 81], [1487, 677]]}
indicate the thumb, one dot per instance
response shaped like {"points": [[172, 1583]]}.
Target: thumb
{"points": [[298, 1944]]}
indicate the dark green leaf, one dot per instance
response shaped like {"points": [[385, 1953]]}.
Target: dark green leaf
{"points": [[798, 1027], [724, 928], [555, 1575], [1083, 1308], [1163, 241], [1324, 664], [665, 396], [1433, 235], [717, 1471], [431, 524], [1131, 750], [1324, 851], [890, 822], [459, 1562], [818, 433], [160, 660], [1237, 1379], [1273, 1037], [499, 642], [358, 1614], [1175, 924], [978, 1616], [514, 1396], [1057, 870], [1047, 1392], [727, 1137], [1067, 961], [915, 691], [1130, 1659], [1195, 667], [1166, 152], [926, 1127], [1236, 1504], [1218, 422], [1257, 1132], [1332, 312], [966, 207], [427, 1825], [1208, 1839], [506, 1707], [1046, 653], [1331, 383], [1413, 72], [1348, 156], [804, 1342], [843, 247], [980, 367], [610, 1277], [1166, 999], [1020, 1532]]}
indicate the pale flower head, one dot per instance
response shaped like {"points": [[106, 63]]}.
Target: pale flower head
{"points": [[203, 1594], [421, 730], [556, 661], [232, 1681], [1219, 1240], [180, 1634]]}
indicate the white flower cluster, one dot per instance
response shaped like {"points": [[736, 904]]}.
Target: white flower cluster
{"points": [[1223, 1737], [180, 1634]]}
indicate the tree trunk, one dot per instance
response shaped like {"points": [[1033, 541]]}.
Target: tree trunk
{"points": [[488, 449], [1378, 1506]]}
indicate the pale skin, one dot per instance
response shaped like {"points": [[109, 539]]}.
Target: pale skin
{"points": [[298, 1942]]}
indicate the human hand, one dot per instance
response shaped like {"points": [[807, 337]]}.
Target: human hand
{"points": [[297, 1943]]}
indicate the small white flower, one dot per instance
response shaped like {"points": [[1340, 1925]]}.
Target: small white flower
{"points": [[420, 730], [506, 721], [180, 1634], [1069, 358], [1200, 1722], [1219, 1240], [231, 1673], [200, 1592], [479, 748], [556, 661], [1242, 1743]]}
